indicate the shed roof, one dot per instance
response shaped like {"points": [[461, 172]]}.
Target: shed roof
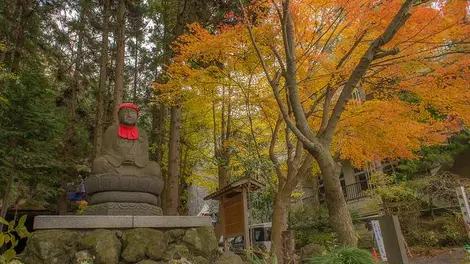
{"points": [[234, 187]]}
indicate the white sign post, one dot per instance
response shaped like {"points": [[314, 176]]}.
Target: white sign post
{"points": [[378, 237], [464, 207]]}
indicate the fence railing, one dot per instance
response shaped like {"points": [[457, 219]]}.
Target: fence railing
{"points": [[351, 192], [356, 190]]}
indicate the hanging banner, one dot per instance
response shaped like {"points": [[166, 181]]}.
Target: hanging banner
{"points": [[378, 237], [464, 207]]}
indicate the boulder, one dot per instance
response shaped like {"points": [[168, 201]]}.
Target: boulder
{"points": [[229, 258], [201, 241], [51, 247], [176, 252], [83, 256], [174, 235], [103, 244], [200, 260], [311, 250], [148, 261], [143, 242]]}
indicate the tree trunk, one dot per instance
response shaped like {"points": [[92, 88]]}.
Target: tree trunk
{"points": [[174, 174], [71, 108], [99, 125], [159, 114], [315, 201], [16, 38], [136, 67], [280, 214], [310, 183], [288, 247], [6, 197], [120, 41], [172, 184], [338, 212]]}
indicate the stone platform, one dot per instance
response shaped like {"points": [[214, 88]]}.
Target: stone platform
{"points": [[121, 240], [118, 222]]}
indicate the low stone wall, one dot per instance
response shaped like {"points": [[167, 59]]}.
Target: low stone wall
{"points": [[122, 246]]}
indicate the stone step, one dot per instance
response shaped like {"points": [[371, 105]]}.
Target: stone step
{"points": [[118, 221]]}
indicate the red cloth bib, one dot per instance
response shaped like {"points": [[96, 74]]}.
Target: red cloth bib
{"points": [[128, 132]]}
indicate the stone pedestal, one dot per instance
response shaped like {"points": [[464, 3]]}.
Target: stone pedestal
{"points": [[123, 194], [121, 239], [113, 208]]}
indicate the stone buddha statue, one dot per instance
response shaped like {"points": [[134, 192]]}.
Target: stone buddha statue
{"points": [[124, 181]]}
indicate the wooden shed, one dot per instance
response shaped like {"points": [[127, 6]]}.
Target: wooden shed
{"points": [[234, 215]]}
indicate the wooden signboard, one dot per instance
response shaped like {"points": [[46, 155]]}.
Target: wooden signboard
{"points": [[234, 217]]}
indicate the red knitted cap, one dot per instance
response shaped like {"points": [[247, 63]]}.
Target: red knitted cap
{"points": [[129, 105]]}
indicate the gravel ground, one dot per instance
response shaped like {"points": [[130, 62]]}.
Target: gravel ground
{"points": [[451, 256]]}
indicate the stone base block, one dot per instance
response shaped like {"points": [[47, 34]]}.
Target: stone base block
{"points": [[119, 221], [135, 245], [113, 208]]}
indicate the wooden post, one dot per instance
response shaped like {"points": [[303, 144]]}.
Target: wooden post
{"points": [[246, 223], [222, 222], [288, 247]]}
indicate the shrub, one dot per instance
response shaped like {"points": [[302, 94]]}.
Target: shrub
{"points": [[345, 255], [442, 231], [311, 226], [8, 237]]}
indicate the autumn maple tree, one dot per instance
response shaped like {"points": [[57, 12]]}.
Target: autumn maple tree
{"points": [[359, 80]]}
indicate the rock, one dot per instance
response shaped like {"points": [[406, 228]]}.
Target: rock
{"points": [[83, 257], [174, 235], [142, 242], [229, 258], [200, 260], [148, 261], [201, 241], [104, 244], [311, 250], [176, 252], [51, 247]]}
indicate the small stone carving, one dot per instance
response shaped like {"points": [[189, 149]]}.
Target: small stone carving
{"points": [[124, 181]]}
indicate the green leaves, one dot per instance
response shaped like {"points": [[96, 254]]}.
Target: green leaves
{"points": [[3, 221], [10, 238], [22, 221], [2, 239], [22, 232], [9, 255], [11, 226]]}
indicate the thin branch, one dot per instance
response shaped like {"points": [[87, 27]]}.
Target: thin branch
{"points": [[272, 155]]}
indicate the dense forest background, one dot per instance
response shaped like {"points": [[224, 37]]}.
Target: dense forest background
{"points": [[65, 66]]}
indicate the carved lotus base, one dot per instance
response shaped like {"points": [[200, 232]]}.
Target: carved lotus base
{"points": [[109, 182], [123, 208]]}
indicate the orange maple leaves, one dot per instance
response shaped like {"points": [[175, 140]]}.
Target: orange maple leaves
{"points": [[432, 67]]}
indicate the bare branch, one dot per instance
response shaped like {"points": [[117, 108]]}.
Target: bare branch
{"points": [[385, 53], [279, 58], [272, 155]]}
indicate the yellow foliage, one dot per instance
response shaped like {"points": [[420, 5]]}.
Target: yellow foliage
{"points": [[418, 97]]}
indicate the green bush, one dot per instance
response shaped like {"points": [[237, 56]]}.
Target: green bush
{"points": [[442, 231], [312, 226], [345, 255], [8, 238]]}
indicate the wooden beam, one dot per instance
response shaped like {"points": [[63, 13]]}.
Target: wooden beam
{"points": [[246, 223], [222, 221]]}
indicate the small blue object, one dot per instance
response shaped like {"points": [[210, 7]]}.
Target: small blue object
{"points": [[75, 196]]}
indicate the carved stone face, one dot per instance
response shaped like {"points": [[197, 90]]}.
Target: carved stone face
{"points": [[128, 116]]}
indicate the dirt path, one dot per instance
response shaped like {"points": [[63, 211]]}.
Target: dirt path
{"points": [[447, 256]]}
